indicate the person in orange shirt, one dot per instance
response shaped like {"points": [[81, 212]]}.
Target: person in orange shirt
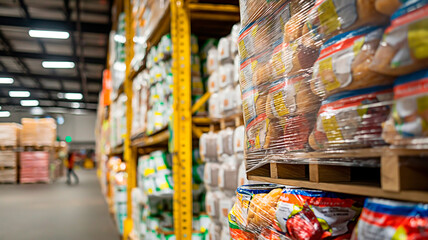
{"points": [[70, 170]]}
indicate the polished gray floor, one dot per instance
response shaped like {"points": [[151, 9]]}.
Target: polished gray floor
{"points": [[56, 211]]}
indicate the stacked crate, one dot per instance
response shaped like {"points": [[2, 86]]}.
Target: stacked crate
{"points": [[9, 139], [37, 141]]}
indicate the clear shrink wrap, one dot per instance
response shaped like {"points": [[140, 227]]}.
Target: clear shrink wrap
{"points": [[9, 134], [268, 211], [311, 73], [38, 132], [404, 48]]}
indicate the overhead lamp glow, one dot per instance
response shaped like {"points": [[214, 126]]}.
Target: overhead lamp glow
{"points": [[75, 105], [29, 103], [37, 111], [56, 64], [4, 114], [73, 96], [48, 34], [19, 93], [6, 80]]}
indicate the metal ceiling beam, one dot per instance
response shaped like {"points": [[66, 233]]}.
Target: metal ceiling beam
{"points": [[51, 57], [81, 55], [87, 27], [50, 77], [16, 100], [6, 107]]}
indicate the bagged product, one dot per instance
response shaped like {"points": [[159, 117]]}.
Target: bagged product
{"points": [[296, 133], [214, 82], [256, 72], [387, 219], [242, 175], [238, 99], [234, 35], [164, 183], [229, 98], [313, 214], [236, 66], [161, 161], [212, 203], [211, 174], [352, 119], [256, 132], [226, 74], [330, 17], [208, 147], [226, 205], [344, 63], [228, 174], [410, 111], [224, 49], [214, 231], [253, 210], [291, 96], [238, 140], [212, 60], [214, 106], [404, 46]]}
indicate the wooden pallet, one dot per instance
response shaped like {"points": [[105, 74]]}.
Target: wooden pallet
{"points": [[399, 174], [36, 148], [7, 148]]}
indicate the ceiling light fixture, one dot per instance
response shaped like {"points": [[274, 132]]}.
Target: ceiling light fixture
{"points": [[37, 111], [75, 105], [48, 34], [4, 114], [19, 94], [57, 64], [29, 103], [6, 80], [73, 96]]}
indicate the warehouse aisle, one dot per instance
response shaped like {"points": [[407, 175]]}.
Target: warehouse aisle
{"points": [[56, 211]]}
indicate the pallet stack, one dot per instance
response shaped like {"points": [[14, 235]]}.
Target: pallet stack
{"points": [[9, 139], [37, 141]]}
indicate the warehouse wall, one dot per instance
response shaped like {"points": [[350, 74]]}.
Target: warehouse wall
{"points": [[79, 127]]}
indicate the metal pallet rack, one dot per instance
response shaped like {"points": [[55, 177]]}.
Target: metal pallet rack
{"points": [[177, 19]]}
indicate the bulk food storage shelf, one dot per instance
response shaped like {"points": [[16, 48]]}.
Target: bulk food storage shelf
{"points": [[180, 19]]}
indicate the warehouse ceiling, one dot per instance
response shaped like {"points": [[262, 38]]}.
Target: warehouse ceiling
{"points": [[21, 56]]}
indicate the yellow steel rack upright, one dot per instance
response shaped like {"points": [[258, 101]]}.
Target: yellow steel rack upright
{"points": [[179, 16]]}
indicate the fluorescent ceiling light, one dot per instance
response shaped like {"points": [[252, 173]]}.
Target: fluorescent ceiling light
{"points": [[4, 114], [73, 96], [6, 80], [75, 105], [37, 111], [19, 93], [29, 103], [56, 64], [48, 34]]}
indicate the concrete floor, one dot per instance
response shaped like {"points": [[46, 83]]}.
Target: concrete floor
{"points": [[56, 211]]}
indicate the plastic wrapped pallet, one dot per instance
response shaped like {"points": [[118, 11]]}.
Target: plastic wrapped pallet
{"points": [[9, 134], [318, 75], [8, 176], [38, 132], [34, 167], [8, 159], [292, 213]]}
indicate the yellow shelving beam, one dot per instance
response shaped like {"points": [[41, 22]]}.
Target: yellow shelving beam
{"points": [[182, 126], [129, 152]]}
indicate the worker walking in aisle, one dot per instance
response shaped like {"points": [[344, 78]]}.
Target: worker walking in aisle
{"points": [[70, 170]]}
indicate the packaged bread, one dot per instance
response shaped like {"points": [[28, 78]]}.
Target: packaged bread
{"points": [[388, 7], [250, 108], [256, 132], [238, 139], [214, 82], [352, 119], [330, 17], [291, 96], [228, 174], [296, 132], [410, 113], [236, 66], [212, 204], [388, 219], [228, 100], [403, 49], [257, 38], [274, 135], [314, 214], [344, 63], [214, 231], [253, 10]]}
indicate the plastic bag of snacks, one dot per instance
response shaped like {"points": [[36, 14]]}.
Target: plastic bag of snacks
{"points": [[404, 48], [409, 118], [387, 219], [277, 212]]}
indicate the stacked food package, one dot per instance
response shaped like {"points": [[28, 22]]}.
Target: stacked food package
{"points": [[116, 185], [324, 74], [38, 132], [222, 67], [155, 190], [9, 139], [158, 78], [118, 120], [272, 211], [140, 96], [34, 167], [223, 153]]}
